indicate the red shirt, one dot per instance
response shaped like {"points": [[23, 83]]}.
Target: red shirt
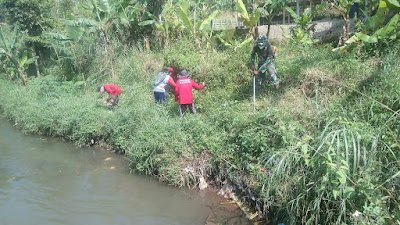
{"points": [[112, 89], [183, 90]]}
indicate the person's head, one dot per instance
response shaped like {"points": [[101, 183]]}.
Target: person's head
{"points": [[183, 74], [261, 41], [170, 70], [100, 88]]}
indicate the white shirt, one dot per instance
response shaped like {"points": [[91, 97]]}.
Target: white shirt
{"points": [[161, 86]]}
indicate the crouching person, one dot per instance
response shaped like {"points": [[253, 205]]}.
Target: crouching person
{"points": [[183, 92], [113, 92]]}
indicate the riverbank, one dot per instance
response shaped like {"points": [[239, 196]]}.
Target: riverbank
{"points": [[289, 154]]}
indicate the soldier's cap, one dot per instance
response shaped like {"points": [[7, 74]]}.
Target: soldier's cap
{"points": [[183, 74], [261, 40]]}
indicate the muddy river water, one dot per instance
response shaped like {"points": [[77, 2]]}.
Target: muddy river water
{"points": [[48, 181]]}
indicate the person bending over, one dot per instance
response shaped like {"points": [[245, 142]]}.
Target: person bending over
{"points": [[113, 92]]}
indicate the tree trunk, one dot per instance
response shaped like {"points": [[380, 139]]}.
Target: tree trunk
{"points": [[20, 72], [269, 26], [5, 71], [105, 39], [346, 32], [36, 61]]}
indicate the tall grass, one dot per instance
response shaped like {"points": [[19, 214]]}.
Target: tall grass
{"points": [[314, 153]]}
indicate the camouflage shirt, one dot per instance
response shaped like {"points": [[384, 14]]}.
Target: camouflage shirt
{"points": [[264, 55]]}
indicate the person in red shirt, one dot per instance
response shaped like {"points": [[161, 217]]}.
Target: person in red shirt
{"points": [[113, 92], [183, 92]]}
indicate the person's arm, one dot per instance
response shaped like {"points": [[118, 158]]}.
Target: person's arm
{"points": [[252, 61], [176, 92], [171, 81], [110, 96], [196, 86]]}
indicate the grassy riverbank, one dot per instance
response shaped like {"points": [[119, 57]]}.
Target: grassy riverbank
{"points": [[323, 147]]}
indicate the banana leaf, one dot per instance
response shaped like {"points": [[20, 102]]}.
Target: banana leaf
{"points": [[208, 20], [352, 39], [386, 31], [254, 17], [366, 38], [378, 19], [295, 17], [243, 10], [31, 60], [23, 59], [185, 19], [227, 44], [393, 5], [285, 34], [104, 6], [3, 40], [245, 42], [394, 2]]}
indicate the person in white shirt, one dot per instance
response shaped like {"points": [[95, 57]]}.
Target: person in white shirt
{"points": [[159, 84]]}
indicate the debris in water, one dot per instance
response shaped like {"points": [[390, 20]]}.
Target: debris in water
{"points": [[107, 159], [202, 183], [112, 167]]}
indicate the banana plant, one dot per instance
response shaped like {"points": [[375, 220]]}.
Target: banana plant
{"points": [[387, 33], [301, 32], [180, 19], [227, 39], [166, 24], [269, 8], [372, 23], [12, 63], [343, 6], [199, 27], [249, 20], [107, 15], [393, 5]]}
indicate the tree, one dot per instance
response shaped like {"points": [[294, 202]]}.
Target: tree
{"points": [[12, 61], [374, 31], [301, 32], [181, 18], [33, 16], [269, 10], [249, 20], [343, 6]]}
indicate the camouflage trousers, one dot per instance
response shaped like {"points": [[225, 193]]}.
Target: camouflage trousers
{"points": [[270, 67]]}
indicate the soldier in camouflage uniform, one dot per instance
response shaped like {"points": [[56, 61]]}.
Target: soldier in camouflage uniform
{"points": [[266, 57]]}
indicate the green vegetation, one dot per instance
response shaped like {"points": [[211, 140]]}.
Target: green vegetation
{"points": [[325, 149]]}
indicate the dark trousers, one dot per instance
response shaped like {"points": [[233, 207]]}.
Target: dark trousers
{"points": [[115, 101], [183, 108], [160, 97]]}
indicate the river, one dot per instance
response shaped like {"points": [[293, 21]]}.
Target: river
{"points": [[48, 181]]}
